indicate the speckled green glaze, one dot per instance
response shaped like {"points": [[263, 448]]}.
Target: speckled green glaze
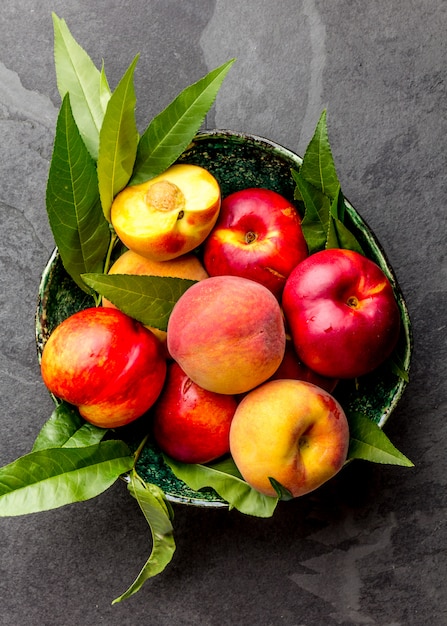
{"points": [[238, 161]]}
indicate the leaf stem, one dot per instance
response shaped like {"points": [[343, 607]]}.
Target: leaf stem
{"points": [[113, 240], [97, 298], [139, 450]]}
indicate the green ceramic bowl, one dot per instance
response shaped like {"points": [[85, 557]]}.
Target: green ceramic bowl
{"points": [[238, 161]]}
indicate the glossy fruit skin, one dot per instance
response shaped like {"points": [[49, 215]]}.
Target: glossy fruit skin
{"points": [[227, 333], [105, 363], [258, 236], [292, 368], [191, 424], [291, 431], [342, 314], [168, 215]]}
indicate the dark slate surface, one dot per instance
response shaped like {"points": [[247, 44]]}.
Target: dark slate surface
{"points": [[369, 548]]}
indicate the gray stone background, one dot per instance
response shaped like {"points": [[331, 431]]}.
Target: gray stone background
{"points": [[370, 547]]}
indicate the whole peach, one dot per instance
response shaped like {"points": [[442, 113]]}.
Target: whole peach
{"points": [[227, 333], [185, 266], [257, 235], [192, 424], [291, 431], [107, 364], [342, 313]]}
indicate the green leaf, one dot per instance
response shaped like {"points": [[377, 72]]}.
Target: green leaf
{"points": [[369, 442], [118, 140], [342, 237], [315, 222], [148, 299], [77, 75], [79, 228], [338, 208], [158, 515], [50, 478], [67, 429], [318, 167], [170, 132], [397, 366], [339, 236], [283, 492], [317, 185], [225, 479], [104, 90]]}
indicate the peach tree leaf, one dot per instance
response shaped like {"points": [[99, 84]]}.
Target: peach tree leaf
{"points": [[338, 235], [397, 366], [77, 75], [318, 167], [226, 480], [118, 140], [148, 299], [172, 130], [67, 429], [81, 233], [318, 187], [338, 207], [370, 443], [158, 514], [283, 492], [104, 89], [315, 223], [50, 478]]}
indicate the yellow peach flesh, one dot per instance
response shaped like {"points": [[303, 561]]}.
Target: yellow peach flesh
{"points": [[168, 215]]}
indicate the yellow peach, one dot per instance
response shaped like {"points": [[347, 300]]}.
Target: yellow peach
{"points": [[168, 215], [185, 266], [291, 431]]}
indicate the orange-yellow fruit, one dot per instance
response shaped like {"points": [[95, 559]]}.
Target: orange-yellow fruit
{"points": [[291, 431], [168, 215]]}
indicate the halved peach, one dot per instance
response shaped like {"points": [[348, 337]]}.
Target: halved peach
{"points": [[168, 215]]}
